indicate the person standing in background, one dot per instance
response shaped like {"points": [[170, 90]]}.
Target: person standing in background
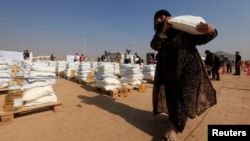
{"points": [[237, 63], [82, 58], [76, 57], [127, 57], [27, 55], [137, 59], [150, 59], [52, 57], [214, 62], [24, 55], [229, 65]]}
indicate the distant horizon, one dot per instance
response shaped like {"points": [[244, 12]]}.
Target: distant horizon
{"points": [[95, 59], [91, 27]]}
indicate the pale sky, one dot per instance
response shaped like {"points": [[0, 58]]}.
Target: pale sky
{"points": [[64, 27]]}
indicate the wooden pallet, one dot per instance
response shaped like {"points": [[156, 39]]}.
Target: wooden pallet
{"points": [[4, 89], [71, 78], [115, 92], [83, 82], [111, 93], [132, 88], [86, 82], [8, 117], [60, 74]]}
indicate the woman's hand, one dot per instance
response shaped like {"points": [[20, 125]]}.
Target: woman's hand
{"points": [[166, 24], [205, 28]]}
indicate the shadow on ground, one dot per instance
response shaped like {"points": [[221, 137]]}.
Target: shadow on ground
{"points": [[154, 125]]}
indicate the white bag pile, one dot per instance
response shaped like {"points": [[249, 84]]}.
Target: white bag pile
{"points": [[61, 66], [116, 68], [39, 88], [131, 74], [4, 64], [84, 69], [39, 95], [5, 79], [105, 76], [4, 67], [40, 71], [71, 66], [43, 67], [94, 66], [149, 71], [5, 72], [52, 63], [26, 66]]}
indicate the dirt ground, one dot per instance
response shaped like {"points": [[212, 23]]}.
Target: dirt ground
{"points": [[91, 116]]}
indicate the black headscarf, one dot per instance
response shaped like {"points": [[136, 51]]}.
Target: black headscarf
{"points": [[157, 14]]}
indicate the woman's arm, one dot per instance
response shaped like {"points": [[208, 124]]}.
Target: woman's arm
{"points": [[210, 33], [157, 41]]}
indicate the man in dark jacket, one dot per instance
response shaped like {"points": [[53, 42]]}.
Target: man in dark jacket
{"points": [[237, 63], [213, 61], [137, 59]]}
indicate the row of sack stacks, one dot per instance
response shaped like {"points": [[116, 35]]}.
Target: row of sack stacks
{"points": [[107, 75]]}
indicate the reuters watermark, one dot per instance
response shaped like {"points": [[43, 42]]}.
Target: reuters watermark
{"points": [[220, 132]]}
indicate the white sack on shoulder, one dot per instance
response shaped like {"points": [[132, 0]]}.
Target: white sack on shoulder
{"points": [[187, 23]]}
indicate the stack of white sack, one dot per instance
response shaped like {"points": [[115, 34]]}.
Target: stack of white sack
{"points": [[39, 95], [39, 87], [84, 68], [52, 63], [94, 66], [18, 62], [41, 76], [26, 66], [5, 72], [43, 67], [149, 71], [116, 68], [42, 72], [105, 76], [5, 79], [131, 74], [5, 65], [71, 69], [61, 67]]}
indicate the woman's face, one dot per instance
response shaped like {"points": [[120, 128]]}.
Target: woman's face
{"points": [[161, 18], [161, 23]]}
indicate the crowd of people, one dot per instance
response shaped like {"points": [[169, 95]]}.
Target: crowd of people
{"points": [[214, 63], [118, 57], [80, 58]]}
